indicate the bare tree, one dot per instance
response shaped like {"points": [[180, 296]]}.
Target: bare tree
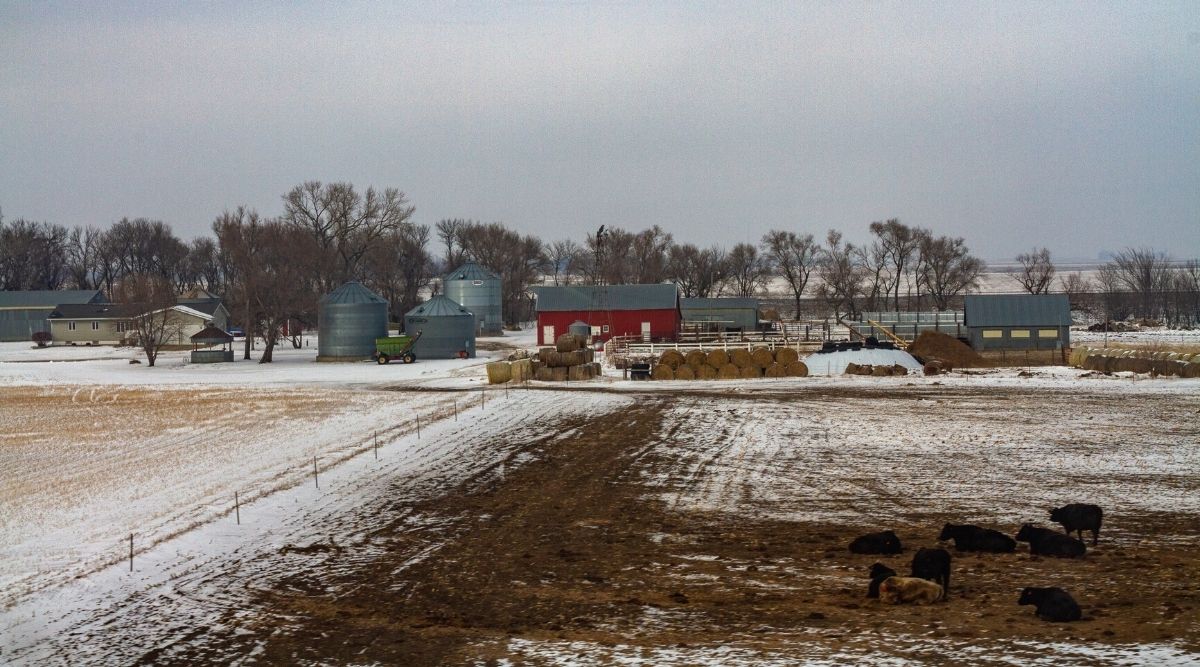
{"points": [[697, 273], [648, 256], [877, 279], [948, 268], [611, 249], [145, 248], [518, 260], [794, 258], [898, 244], [841, 275], [33, 255], [448, 232], [1037, 271], [149, 300], [83, 257], [399, 267], [566, 259], [1144, 272], [344, 224], [239, 239], [1078, 290], [283, 287], [747, 270]]}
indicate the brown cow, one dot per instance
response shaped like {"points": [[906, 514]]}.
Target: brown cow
{"points": [[895, 590]]}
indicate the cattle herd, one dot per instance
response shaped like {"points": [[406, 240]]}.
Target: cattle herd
{"points": [[929, 580]]}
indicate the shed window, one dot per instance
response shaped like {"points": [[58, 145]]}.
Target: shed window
{"points": [[604, 328], [95, 326], [992, 333], [70, 326], [1019, 333], [1047, 333], [122, 327]]}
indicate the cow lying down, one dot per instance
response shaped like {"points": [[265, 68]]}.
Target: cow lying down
{"points": [[897, 590]]}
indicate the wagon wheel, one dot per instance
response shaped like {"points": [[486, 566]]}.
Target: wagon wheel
{"points": [[408, 357], [382, 359]]}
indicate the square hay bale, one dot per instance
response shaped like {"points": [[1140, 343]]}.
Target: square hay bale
{"points": [[522, 370], [852, 369], [899, 370], [544, 374], [499, 372], [881, 371], [579, 373], [565, 359]]}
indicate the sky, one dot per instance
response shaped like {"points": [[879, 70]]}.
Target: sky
{"points": [[1074, 126]]}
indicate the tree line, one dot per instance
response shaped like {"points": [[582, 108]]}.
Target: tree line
{"points": [[271, 270]]}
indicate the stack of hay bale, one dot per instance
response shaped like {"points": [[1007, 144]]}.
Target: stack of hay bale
{"points": [[569, 360], [882, 370], [729, 365], [1136, 361]]}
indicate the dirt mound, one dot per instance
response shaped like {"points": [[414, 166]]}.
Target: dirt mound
{"points": [[932, 345]]}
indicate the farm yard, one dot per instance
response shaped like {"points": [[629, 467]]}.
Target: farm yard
{"points": [[590, 523]]}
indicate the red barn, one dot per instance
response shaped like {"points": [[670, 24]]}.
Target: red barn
{"points": [[650, 311]]}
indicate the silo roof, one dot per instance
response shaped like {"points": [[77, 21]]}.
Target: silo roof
{"points": [[471, 271], [352, 292], [438, 306]]}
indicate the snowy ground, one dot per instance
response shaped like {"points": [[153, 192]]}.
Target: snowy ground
{"points": [[1146, 337]]}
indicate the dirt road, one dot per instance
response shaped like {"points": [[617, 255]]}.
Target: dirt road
{"points": [[683, 530]]}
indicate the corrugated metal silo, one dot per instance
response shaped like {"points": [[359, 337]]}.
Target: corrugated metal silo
{"points": [[447, 329], [477, 290], [349, 319]]}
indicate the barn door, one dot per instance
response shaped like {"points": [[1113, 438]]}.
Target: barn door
{"points": [[646, 331], [548, 334]]}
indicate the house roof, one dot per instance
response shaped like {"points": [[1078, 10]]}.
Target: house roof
{"points": [[351, 292], [207, 306], [48, 298], [719, 303], [662, 296], [113, 311], [471, 271], [439, 306], [1003, 310]]}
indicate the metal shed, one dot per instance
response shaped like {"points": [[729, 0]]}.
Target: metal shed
{"points": [[349, 319], [478, 290], [1017, 321], [720, 314], [25, 312], [447, 329]]}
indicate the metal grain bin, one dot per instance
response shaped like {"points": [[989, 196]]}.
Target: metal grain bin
{"points": [[349, 319], [447, 329], [477, 290]]}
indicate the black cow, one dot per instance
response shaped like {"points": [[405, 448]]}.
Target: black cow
{"points": [[879, 572], [974, 538], [1053, 604], [1046, 542], [885, 542], [1078, 517], [934, 565]]}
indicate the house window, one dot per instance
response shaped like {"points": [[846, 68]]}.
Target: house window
{"points": [[95, 326], [1019, 333], [1047, 333], [70, 326], [993, 333], [122, 327]]}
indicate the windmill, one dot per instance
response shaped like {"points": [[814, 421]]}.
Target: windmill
{"points": [[599, 300]]}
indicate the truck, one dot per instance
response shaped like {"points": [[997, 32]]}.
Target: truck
{"points": [[395, 347]]}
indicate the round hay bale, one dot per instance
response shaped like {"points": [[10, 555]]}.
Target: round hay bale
{"points": [[852, 368], [685, 372], [718, 358], [499, 372], [933, 368], [881, 371], [751, 373], [786, 355], [899, 370], [762, 357], [1191, 370], [797, 369], [672, 358], [728, 372], [866, 369], [662, 372], [706, 372], [696, 358], [567, 343], [741, 358], [775, 370]]}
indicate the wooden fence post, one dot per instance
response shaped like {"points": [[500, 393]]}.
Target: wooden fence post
{"points": [[237, 508]]}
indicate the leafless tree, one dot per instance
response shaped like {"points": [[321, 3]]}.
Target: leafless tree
{"points": [[898, 244], [284, 289], [649, 254], [238, 235], [794, 258], [877, 278], [344, 224], [1078, 290], [748, 271], [610, 249], [697, 273], [948, 268], [1144, 272], [149, 299], [448, 232], [1037, 271], [566, 259], [841, 275], [202, 266], [399, 267], [33, 255], [518, 260], [83, 257], [144, 247]]}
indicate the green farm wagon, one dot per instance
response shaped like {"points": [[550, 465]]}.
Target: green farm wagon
{"points": [[395, 347]]}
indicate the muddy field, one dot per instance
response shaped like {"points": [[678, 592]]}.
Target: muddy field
{"points": [[694, 529]]}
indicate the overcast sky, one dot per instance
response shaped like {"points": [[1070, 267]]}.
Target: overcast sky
{"points": [[1075, 126]]}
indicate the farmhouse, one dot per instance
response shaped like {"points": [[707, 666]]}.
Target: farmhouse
{"points": [[1017, 321], [109, 323], [719, 314], [205, 302], [649, 311], [23, 313]]}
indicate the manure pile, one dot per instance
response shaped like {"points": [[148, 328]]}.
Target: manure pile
{"points": [[729, 364], [952, 352]]}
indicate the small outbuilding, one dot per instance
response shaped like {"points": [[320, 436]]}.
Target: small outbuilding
{"points": [[24, 313], [447, 329], [204, 342], [719, 314], [1017, 321]]}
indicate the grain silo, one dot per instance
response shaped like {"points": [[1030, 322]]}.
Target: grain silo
{"points": [[477, 290], [447, 329], [349, 319]]}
